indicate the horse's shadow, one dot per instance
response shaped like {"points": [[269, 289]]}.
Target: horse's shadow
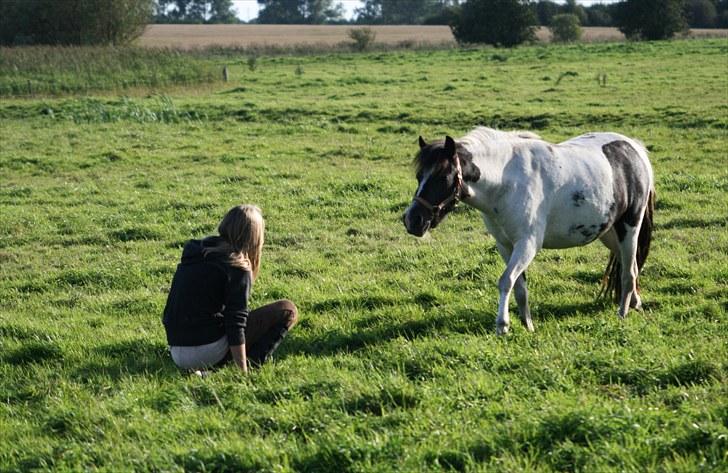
{"points": [[464, 321], [367, 335]]}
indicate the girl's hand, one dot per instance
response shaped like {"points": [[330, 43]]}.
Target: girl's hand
{"points": [[238, 352]]}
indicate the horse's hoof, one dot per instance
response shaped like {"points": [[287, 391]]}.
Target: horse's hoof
{"points": [[529, 325], [501, 329]]}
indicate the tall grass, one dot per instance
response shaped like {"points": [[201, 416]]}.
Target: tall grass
{"points": [[69, 69]]}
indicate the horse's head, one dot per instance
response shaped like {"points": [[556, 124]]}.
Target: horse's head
{"points": [[440, 185]]}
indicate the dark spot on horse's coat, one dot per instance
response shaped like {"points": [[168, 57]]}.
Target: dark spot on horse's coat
{"points": [[578, 198], [495, 209], [602, 227], [630, 185]]}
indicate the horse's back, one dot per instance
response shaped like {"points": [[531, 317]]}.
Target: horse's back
{"points": [[604, 176]]}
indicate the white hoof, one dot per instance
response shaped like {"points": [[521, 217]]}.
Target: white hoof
{"points": [[528, 323], [501, 329]]}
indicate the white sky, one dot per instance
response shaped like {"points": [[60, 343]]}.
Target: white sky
{"points": [[248, 9]]}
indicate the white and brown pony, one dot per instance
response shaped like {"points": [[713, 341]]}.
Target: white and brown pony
{"points": [[533, 195]]}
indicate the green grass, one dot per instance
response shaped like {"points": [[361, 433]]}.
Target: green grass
{"points": [[32, 70], [394, 365]]}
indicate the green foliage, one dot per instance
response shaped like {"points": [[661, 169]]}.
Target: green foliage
{"points": [[195, 11], [565, 28], [651, 19], [498, 22], [394, 365], [701, 13], [363, 38], [299, 12], [78, 22], [405, 12]]}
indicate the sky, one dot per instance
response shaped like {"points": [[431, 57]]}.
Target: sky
{"points": [[248, 9]]}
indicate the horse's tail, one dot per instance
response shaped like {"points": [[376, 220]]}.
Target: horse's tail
{"points": [[645, 237], [612, 280]]}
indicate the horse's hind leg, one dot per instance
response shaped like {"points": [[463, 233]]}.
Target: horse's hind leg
{"points": [[520, 290], [628, 259]]}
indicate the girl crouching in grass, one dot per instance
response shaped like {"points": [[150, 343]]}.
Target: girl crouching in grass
{"points": [[207, 319]]}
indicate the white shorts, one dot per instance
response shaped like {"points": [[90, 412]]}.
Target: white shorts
{"points": [[200, 356]]}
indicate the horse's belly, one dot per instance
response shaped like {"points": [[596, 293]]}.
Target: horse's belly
{"points": [[576, 228]]}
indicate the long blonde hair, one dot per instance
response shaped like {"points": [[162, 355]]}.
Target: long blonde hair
{"points": [[242, 232]]}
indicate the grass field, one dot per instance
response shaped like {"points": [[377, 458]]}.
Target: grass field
{"points": [[395, 365]]}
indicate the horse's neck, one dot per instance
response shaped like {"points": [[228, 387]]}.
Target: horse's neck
{"points": [[491, 158]]}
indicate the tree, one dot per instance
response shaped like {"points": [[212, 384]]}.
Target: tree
{"points": [[300, 11], [73, 21], [545, 11], [701, 13], [651, 19], [565, 28], [599, 15], [404, 12], [195, 11], [572, 8], [498, 22]]}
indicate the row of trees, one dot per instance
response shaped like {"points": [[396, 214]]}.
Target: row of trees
{"points": [[697, 13], [511, 22], [194, 11], [504, 22]]}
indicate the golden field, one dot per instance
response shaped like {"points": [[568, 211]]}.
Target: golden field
{"points": [[200, 36]]}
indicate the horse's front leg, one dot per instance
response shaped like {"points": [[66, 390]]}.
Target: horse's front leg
{"points": [[523, 253], [520, 289]]}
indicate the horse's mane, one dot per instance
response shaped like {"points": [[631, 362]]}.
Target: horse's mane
{"points": [[480, 136]]}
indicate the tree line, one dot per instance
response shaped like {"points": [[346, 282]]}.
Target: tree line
{"points": [[504, 22]]}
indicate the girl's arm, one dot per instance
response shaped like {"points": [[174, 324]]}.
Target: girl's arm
{"points": [[238, 352]]}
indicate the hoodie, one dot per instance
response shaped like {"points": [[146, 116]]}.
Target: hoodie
{"points": [[208, 298]]}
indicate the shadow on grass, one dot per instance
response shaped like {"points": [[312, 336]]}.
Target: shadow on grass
{"points": [[339, 341], [127, 358], [560, 311]]}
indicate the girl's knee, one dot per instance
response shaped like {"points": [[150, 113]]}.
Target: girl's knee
{"points": [[290, 311]]}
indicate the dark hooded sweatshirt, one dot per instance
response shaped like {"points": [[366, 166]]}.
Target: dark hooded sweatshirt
{"points": [[208, 298]]}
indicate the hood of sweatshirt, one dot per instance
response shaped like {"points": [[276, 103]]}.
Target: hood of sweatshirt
{"points": [[193, 251]]}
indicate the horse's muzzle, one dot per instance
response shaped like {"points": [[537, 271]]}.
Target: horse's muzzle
{"points": [[416, 221]]}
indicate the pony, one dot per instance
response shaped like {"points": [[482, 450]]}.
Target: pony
{"points": [[533, 194]]}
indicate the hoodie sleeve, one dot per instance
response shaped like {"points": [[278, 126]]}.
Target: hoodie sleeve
{"points": [[236, 309]]}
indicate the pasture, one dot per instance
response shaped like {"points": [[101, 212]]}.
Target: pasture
{"points": [[394, 365]]}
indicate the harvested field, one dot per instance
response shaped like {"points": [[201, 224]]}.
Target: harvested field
{"points": [[200, 36]]}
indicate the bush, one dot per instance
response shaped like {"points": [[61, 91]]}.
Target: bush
{"points": [[73, 22], [701, 13], [363, 38], [498, 22], [565, 28], [651, 19]]}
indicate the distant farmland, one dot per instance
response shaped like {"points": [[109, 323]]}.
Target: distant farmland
{"points": [[200, 36]]}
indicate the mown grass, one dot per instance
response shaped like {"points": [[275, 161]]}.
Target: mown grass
{"points": [[394, 365]]}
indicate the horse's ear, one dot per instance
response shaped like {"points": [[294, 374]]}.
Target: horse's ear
{"points": [[449, 146], [423, 143]]}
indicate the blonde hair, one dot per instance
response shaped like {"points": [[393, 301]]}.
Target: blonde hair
{"points": [[242, 232]]}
